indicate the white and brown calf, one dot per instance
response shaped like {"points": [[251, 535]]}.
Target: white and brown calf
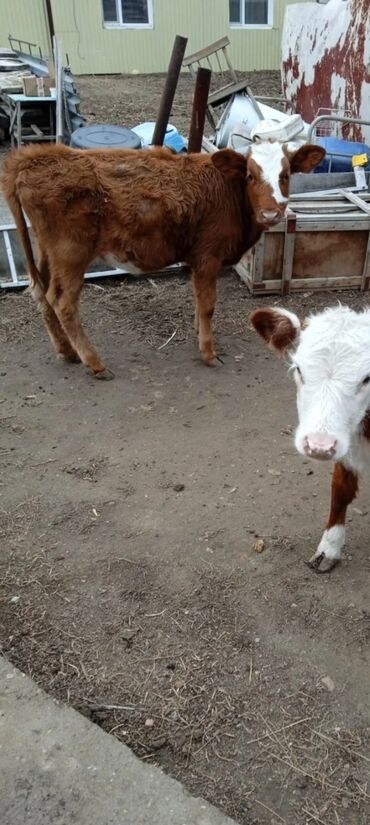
{"points": [[330, 359], [147, 209]]}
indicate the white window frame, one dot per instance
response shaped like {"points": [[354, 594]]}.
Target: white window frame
{"points": [[268, 25], [121, 25]]}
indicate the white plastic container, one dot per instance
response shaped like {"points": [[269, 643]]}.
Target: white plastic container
{"points": [[145, 131], [283, 130], [240, 111]]}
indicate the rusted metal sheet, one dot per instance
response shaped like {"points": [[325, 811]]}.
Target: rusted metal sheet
{"points": [[326, 61]]}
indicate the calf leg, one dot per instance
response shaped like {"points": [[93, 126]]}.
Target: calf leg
{"points": [[205, 292], [57, 335], [344, 488], [56, 332], [63, 296]]}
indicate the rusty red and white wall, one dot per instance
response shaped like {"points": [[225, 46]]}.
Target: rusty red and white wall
{"points": [[326, 60]]}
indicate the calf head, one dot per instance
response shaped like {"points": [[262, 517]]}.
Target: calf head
{"points": [[265, 172], [269, 167], [330, 361]]}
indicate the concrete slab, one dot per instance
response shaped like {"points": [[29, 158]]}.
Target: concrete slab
{"points": [[57, 768]]}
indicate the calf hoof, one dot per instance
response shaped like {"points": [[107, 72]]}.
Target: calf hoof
{"points": [[209, 357], [104, 375], [321, 563]]}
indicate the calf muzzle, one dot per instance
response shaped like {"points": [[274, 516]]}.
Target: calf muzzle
{"points": [[270, 217], [321, 446]]}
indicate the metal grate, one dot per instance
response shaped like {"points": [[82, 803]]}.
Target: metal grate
{"points": [[13, 268], [327, 128], [13, 271]]}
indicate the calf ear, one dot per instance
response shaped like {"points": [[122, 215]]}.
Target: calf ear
{"points": [[306, 158], [232, 165], [278, 327]]}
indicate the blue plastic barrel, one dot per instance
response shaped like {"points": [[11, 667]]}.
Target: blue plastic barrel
{"points": [[98, 136], [339, 154]]}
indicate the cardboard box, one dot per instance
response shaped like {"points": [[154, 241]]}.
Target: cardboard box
{"points": [[30, 86], [37, 86]]}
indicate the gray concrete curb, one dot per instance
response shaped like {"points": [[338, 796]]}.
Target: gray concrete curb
{"points": [[57, 768]]}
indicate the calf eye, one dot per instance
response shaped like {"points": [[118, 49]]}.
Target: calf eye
{"points": [[285, 177], [249, 177], [366, 381]]}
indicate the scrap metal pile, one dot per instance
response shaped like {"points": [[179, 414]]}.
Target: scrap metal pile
{"points": [[25, 72]]}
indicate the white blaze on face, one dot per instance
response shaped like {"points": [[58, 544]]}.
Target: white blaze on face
{"points": [[270, 157], [332, 374]]}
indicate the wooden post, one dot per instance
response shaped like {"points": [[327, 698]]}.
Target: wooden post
{"points": [[199, 109], [169, 90]]}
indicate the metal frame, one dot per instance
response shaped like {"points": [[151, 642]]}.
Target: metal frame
{"points": [[16, 282], [15, 105], [21, 43], [333, 119]]}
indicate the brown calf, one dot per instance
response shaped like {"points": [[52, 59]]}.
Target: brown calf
{"points": [[144, 210]]}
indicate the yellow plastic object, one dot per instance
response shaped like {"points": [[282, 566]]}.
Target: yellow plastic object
{"points": [[360, 160]]}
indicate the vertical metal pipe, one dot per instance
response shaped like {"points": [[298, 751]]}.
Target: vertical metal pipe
{"points": [[169, 90], [59, 91], [198, 115], [49, 15]]}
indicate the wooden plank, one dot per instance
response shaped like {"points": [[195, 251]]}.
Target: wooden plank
{"points": [[274, 255], [222, 95], [324, 204], [288, 257], [229, 64], [257, 259], [242, 269], [331, 223], [365, 282], [208, 50], [325, 283], [326, 223], [328, 194], [299, 285]]}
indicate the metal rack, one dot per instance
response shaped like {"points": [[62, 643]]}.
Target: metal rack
{"points": [[317, 129]]}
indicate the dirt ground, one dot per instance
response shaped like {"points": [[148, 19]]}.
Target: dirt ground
{"points": [[135, 99], [131, 586]]}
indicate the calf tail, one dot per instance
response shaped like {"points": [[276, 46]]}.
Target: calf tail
{"points": [[37, 285]]}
